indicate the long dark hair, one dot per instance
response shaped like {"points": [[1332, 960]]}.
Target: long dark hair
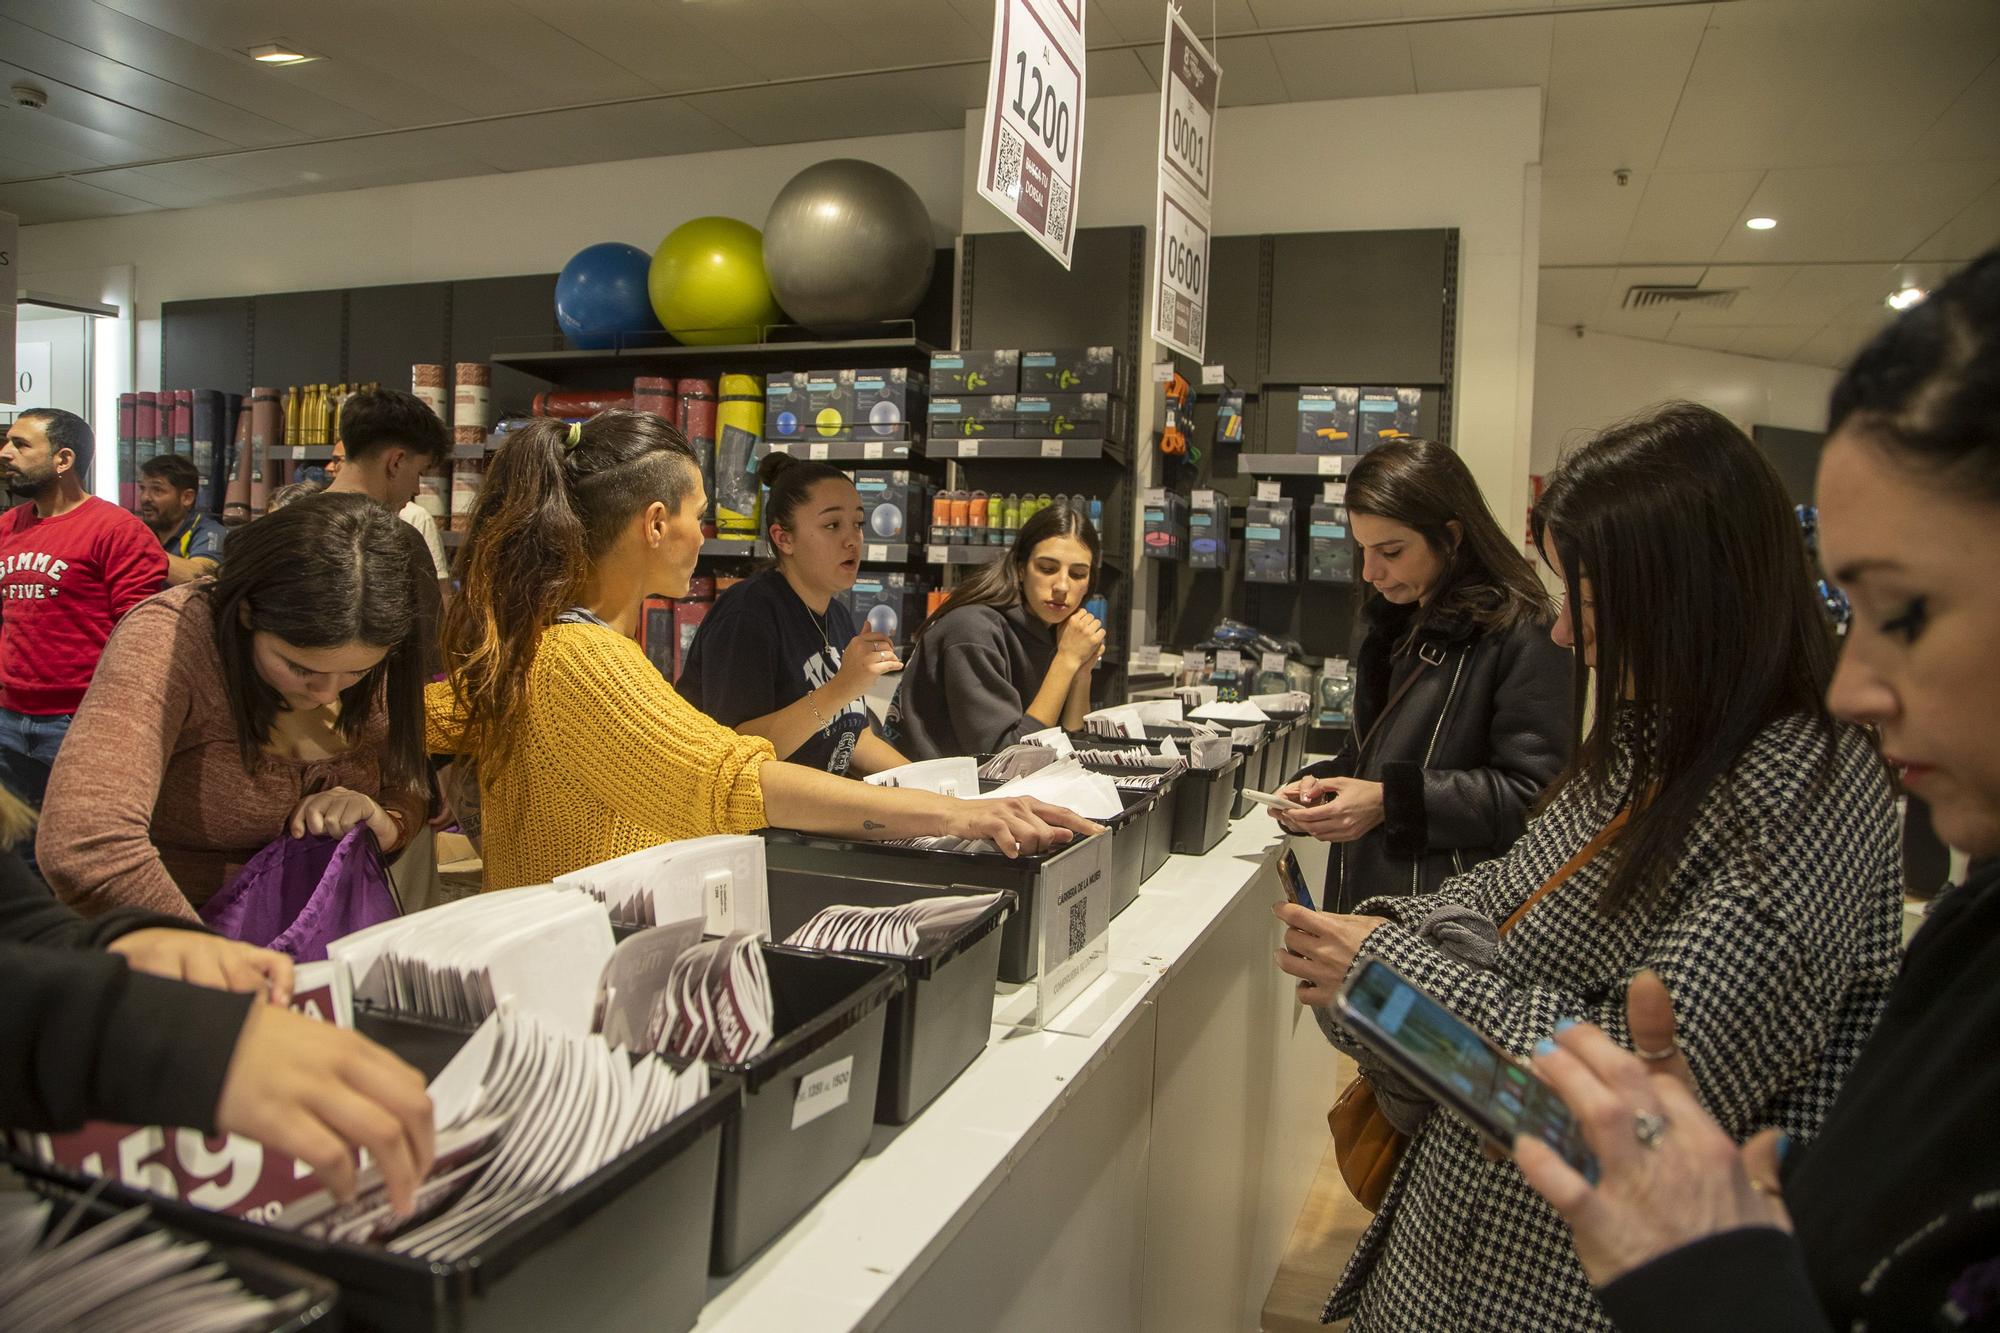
{"points": [[324, 573], [547, 512], [789, 481], [1427, 486], [1928, 388], [1703, 607], [998, 582]]}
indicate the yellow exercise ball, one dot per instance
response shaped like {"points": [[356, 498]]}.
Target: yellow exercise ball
{"points": [[707, 283]]}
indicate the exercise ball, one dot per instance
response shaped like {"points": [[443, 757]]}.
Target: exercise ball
{"points": [[708, 284], [601, 293], [846, 243]]}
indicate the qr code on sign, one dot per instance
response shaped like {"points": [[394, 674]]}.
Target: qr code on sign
{"points": [[1058, 207], [1079, 935], [1007, 172]]}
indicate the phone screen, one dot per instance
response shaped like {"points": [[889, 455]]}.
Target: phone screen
{"points": [[1440, 1050], [1295, 880]]}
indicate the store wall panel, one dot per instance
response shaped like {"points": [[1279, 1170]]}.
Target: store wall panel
{"points": [[390, 329], [516, 314], [1360, 307], [298, 339], [207, 345]]}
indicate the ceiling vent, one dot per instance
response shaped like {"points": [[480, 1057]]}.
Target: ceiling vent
{"points": [[1648, 296]]}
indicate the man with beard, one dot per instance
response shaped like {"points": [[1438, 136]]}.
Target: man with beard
{"points": [[168, 485], [70, 566]]}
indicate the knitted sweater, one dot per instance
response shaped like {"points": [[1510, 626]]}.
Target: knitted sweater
{"points": [[606, 759]]}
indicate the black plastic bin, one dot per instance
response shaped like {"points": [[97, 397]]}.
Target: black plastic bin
{"points": [[1293, 752], [1246, 771], [1159, 839], [830, 1011], [942, 1018], [1129, 829], [626, 1248], [1199, 803], [808, 872], [305, 1301]]}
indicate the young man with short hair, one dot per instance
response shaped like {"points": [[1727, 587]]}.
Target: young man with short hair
{"points": [[168, 485], [71, 565], [388, 440]]}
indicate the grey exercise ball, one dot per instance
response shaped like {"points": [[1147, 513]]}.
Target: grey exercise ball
{"points": [[848, 242]]}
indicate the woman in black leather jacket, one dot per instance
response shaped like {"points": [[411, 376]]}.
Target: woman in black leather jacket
{"points": [[1462, 703]]}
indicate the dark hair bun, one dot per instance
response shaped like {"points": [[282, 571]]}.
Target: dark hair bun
{"points": [[773, 467]]}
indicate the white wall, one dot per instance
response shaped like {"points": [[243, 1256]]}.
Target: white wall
{"points": [[1584, 384]]}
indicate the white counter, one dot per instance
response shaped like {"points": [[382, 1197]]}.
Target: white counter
{"points": [[1143, 1177]]}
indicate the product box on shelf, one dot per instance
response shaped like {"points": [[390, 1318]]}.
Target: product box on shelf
{"points": [[1329, 549], [785, 414], [1208, 531], [887, 403], [1057, 416], [1327, 419], [975, 418], [1409, 413], [1267, 542], [893, 504], [887, 603], [829, 405], [976, 372], [1166, 524], [1376, 419], [1074, 370]]}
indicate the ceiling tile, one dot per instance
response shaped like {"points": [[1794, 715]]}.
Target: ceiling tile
{"points": [[1701, 335], [953, 91], [890, 33], [1650, 322], [833, 109], [1687, 215], [1146, 20], [1756, 288], [1972, 232], [145, 135], [600, 134], [154, 187], [1971, 124], [1856, 212], [1821, 293], [1614, 80], [1585, 217], [1355, 62], [1250, 74], [1836, 344], [1760, 68], [1776, 342], [1298, 13], [1491, 53], [65, 201], [1899, 73], [657, 43], [1575, 296], [1112, 74]]}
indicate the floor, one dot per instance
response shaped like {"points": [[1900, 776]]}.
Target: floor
{"points": [[1325, 1234]]}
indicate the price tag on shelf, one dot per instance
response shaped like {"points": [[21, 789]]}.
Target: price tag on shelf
{"points": [[877, 553], [1163, 372], [1228, 662], [1329, 465], [938, 555], [780, 446], [299, 453], [1270, 490], [818, 451], [1052, 448], [968, 448], [871, 450], [1203, 499], [1195, 660], [1273, 664], [1334, 492], [1214, 375]]}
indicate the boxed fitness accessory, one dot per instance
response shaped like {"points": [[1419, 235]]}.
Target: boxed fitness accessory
{"points": [[979, 418], [887, 404], [829, 404], [1329, 551], [976, 372], [887, 603], [1074, 370], [1267, 542], [1061, 416], [1376, 419], [892, 505], [1208, 531], [1409, 413], [1327, 419], [785, 414], [1166, 529]]}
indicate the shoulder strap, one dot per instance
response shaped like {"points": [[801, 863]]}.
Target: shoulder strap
{"points": [[1570, 867], [1424, 662]]}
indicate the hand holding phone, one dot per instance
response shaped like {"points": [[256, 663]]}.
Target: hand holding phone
{"points": [[1276, 802]]}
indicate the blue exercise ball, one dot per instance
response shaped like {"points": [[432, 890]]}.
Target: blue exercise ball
{"points": [[601, 297]]}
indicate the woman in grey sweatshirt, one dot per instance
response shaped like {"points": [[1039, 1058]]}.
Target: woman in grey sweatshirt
{"points": [[1010, 652]]}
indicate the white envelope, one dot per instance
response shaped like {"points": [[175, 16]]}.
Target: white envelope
{"points": [[1239, 711], [952, 776]]}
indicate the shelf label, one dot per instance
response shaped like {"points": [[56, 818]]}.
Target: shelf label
{"points": [[1329, 465], [779, 446], [825, 1089], [1270, 490], [938, 555], [871, 449], [1031, 146], [1052, 448], [1195, 660], [968, 448], [817, 451], [1228, 662], [1273, 663], [875, 553], [1214, 375]]}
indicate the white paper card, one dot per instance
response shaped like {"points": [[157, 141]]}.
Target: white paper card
{"points": [[1228, 661], [825, 1089], [1270, 490], [871, 450], [1055, 738], [818, 451], [1273, 663], [875, 553], [1329, 465], [1052, 448]]}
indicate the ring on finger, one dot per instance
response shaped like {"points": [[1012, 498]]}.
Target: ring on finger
{"points": [[1673, 1049], [1649, 1127]]}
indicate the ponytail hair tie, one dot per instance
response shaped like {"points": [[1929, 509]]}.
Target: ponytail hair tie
{"points": [[575, 436]]}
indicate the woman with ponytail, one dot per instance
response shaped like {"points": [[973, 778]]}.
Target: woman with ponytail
{"points": [[779, 656], [584, 751]]}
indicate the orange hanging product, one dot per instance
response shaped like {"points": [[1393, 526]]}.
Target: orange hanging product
{"points": [[1173, 430]]}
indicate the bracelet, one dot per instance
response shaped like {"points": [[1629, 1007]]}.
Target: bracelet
{"points": [[823, 723]]}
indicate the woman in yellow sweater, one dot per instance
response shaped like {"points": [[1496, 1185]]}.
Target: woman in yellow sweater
{"points": [[584, 752]]}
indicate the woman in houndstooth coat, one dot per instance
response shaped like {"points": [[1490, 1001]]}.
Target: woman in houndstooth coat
{"points": [[1759, 873]]}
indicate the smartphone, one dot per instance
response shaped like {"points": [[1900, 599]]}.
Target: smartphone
{"points": [[1294, 880], [1275, 802], [1455, 1063]]}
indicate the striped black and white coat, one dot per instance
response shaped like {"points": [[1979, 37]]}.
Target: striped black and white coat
{"points": [[1778, 937]]}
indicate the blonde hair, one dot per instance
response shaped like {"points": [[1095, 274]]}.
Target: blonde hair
{"points": [[17, 820]]}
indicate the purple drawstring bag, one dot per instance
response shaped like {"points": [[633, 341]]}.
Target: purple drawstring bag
{"points": [[298, 894]]}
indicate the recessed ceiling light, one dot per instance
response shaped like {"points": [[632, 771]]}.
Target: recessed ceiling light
{"points": [[1906, 297], [1761, 224], [276, 53]]}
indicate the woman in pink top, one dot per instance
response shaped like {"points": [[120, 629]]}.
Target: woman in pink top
{"points": [[284, 697]]}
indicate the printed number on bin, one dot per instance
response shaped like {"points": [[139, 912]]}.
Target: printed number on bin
{"points": [[825, 1089]]}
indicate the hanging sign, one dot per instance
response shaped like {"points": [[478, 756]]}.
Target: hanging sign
{"points": [[1031, 150], [1188, 84]]}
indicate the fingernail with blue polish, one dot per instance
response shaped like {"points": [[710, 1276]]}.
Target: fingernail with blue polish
{"points": [[1784, 1147], [1545, 1047], [1565, 1024]]}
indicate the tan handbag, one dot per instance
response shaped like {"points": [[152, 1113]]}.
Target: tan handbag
{"points": [[1369, 1148]]}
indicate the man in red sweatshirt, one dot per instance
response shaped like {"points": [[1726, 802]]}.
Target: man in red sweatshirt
{"points": [[70, 566]]}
